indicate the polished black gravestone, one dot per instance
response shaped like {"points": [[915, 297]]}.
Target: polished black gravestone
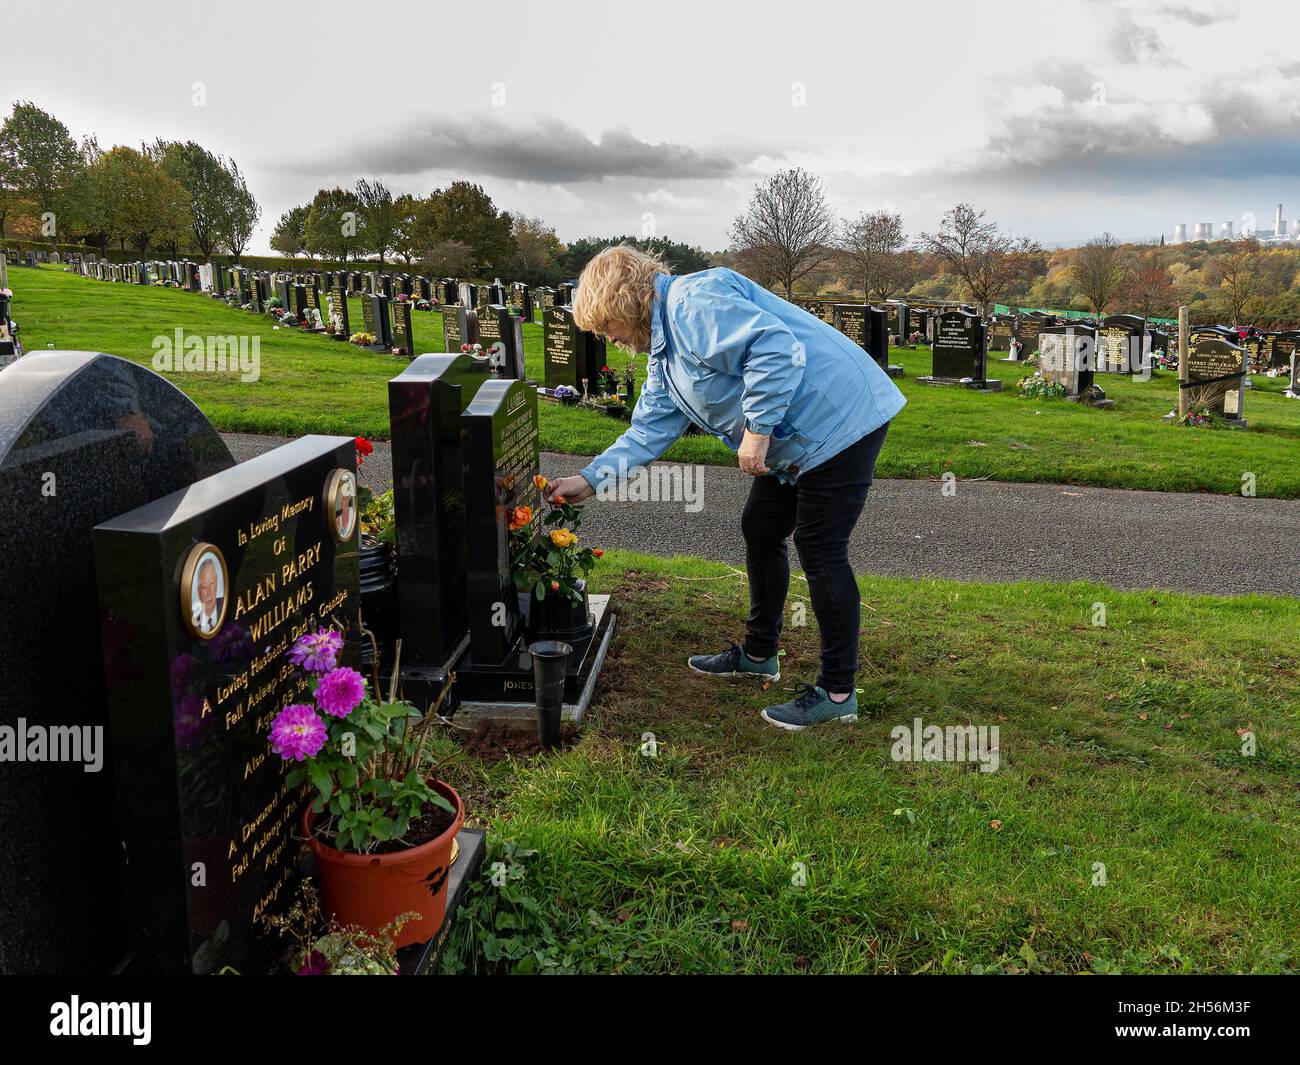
{"points": [[403, 335], [202, 594], [83, 438], [374, 311], [337, 324], [459, 327], [257, 294], [501, 459], [867, 327], [1001, 330], [1121, 344], [1281, 346], [1216, 375], [570, 356], [425, 404], [501, 335], [1027, 328], [958, 352]]}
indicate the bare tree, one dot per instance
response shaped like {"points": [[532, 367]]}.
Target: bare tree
{"points": [[987, 260], [788, 229], [873, 247], [1100, 270]]}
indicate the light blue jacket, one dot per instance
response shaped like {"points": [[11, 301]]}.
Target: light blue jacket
{"points": [[726, 353]]}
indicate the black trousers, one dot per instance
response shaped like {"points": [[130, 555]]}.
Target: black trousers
{"points": [[820, 509]]}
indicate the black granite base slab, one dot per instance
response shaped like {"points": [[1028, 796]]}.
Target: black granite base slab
{"points": [[894, 370], [512, 681], [420, 958], [992, 385]]}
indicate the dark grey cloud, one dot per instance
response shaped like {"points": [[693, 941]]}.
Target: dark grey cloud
{"points": [[544, 150]]}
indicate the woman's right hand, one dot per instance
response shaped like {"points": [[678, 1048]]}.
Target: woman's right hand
{"points": [[573, 489]]}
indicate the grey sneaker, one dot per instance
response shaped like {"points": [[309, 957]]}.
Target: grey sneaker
{"points": [[733, 662], [811, 706]]}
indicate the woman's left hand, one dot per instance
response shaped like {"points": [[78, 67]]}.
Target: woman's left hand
{"points": [[753, 454]]}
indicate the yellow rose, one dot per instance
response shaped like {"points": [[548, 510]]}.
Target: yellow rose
{"points": [[563, 537]]}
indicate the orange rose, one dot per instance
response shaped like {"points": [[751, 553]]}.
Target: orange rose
{"points": [[541, 482], [555, 586], [598, 552], [520, 517]]}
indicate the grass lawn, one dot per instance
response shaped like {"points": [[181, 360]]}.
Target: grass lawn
{"points": [[1119, 745], [312, 384]]}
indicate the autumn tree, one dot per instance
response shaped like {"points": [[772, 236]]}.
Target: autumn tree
{"points": [[289, 237], [988, 261], [379, 218], [140, 202], [1149, 288], [464, 213], [39, 162], [1239, 279], [788, 229], [1099, 271], [333, 227]]}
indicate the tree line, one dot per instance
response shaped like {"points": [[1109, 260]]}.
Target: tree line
{"points": [[169, 195], [788, 237]]}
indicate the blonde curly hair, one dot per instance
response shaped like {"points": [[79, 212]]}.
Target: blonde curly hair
{"points": [[617, 289]]}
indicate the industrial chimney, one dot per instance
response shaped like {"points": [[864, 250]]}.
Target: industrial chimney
{"points": [[1278, 231]]}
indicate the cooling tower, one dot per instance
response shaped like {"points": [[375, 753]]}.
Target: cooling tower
{"points": [[1202, 231], [1180, 233]]}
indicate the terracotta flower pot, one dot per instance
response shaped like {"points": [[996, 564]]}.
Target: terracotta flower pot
{"points": [[371, 889]]}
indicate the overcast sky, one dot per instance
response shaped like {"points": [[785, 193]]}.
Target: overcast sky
{"points": [[1062, 118]]}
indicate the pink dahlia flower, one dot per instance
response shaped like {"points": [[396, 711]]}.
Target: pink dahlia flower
{"points": [[340, 691], [297, 733], [317, 652]]}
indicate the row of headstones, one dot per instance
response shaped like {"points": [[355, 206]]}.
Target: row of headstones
{"points": [[151, 598]]}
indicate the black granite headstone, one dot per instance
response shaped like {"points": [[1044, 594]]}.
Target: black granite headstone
{"points": [[958, 350], [501, 460], [202, 594], [1216, 372], [1120, 343], [403, 335], [459, 327], [425, 403], [502, 338], [338, 326], [1281, 347], [562, 356], [83, 438]]}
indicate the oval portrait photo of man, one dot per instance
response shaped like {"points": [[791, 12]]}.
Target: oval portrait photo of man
{"points": [[203, 591], [341, 504]]}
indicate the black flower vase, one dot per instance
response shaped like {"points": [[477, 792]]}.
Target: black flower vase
{"points": [[378, 599], [558, 617]]}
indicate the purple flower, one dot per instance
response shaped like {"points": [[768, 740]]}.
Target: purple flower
{"points": [[317, 652], [340, 691], [315, 965], [297, 733]]}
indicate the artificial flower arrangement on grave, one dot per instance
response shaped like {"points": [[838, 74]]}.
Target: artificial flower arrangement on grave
{"points": [[362, 339], [423, 305], [402, 297], [363, 756], [337, 950], [1031, 360], [1168, 359], [1039, 388], [474, 351], [545, 556], [288, 320], [273, 304], [565, 394], [515, 310], [400, 352], [1198, 419]]}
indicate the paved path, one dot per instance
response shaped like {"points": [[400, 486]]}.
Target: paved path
{"points": [[988, 530]]}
